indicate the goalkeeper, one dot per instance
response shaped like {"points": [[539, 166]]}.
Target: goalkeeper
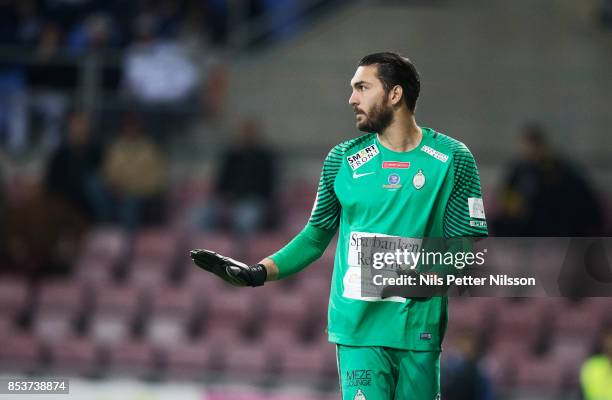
{"points": [[399, 181]]}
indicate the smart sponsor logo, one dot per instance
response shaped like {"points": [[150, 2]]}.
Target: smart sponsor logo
{"points": [[362, 156]]}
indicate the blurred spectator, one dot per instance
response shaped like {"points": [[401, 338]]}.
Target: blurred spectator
{"points": [[244, 189], [13, 108], [72, 170], [596, 373], [19, 21], [45, 227], [50, 77], [158, 70], [545, 194], [19, 25], [135, 171], [95, 32], [463, 377], [43, 235]]}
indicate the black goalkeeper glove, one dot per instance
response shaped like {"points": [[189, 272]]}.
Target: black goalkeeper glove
{"points": [[228, 269]]}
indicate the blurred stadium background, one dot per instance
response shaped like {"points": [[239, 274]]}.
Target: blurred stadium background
{"points": [[128, 128]]}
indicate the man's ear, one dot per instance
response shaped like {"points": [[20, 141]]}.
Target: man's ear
{"points": [[395, 95]]}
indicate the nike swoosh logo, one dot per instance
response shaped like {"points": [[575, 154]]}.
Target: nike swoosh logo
{"points": [[356, 175]]}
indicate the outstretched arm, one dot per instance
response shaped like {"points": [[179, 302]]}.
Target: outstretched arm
{"points": [[305, 248]]}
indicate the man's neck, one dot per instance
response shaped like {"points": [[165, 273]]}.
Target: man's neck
{"points": [[403, 134]]}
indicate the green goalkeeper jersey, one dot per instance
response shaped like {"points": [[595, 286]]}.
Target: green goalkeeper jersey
{"points": [[371, 191]]}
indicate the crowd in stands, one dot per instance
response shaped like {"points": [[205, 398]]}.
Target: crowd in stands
{"points": [[544, 193], [148, 53]]}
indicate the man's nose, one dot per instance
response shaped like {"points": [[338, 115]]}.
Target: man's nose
{"points": [[353, 99]]}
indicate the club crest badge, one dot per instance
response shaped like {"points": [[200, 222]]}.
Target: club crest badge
{"points": [[393, 181], [418, 180], [359, 395]]}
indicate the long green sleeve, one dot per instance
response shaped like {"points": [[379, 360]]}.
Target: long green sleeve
{"points": [[306, 247]]}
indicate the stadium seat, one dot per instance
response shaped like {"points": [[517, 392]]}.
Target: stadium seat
{"points": [[114, 310], [503, 358], [192, 360], [148, 273], [469, 313], [23, 355], [578, 320], [171, 309], [90, 268], [233, 308], [158, 245], [279, 338], [305, 362], [73, 356], [13, 294], [246, 359], [107, 243], [539, 374], [316, 288], [7, 323], [58, 306], [223, 336], [132, 357], [569, 351], [286, 310], [521, 321]]}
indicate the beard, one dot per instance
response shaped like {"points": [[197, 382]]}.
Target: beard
{"points": [[378, 119]]}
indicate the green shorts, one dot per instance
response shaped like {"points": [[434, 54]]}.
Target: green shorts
{"points": [[383, 373]]}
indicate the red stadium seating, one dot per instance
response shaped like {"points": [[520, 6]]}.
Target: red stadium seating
{"points": [[543, 374], [74, 356], [247, 359], [114, 309], [578, 320], [106, 243], [171, 310], [13, 294], [521, 321], [57, 308], [7, 324], [148, 273], [90, 269], [131, 357], [192, 360], [233, 308], [287, 310], [468, 314], [23, 355], [156, 245]]}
